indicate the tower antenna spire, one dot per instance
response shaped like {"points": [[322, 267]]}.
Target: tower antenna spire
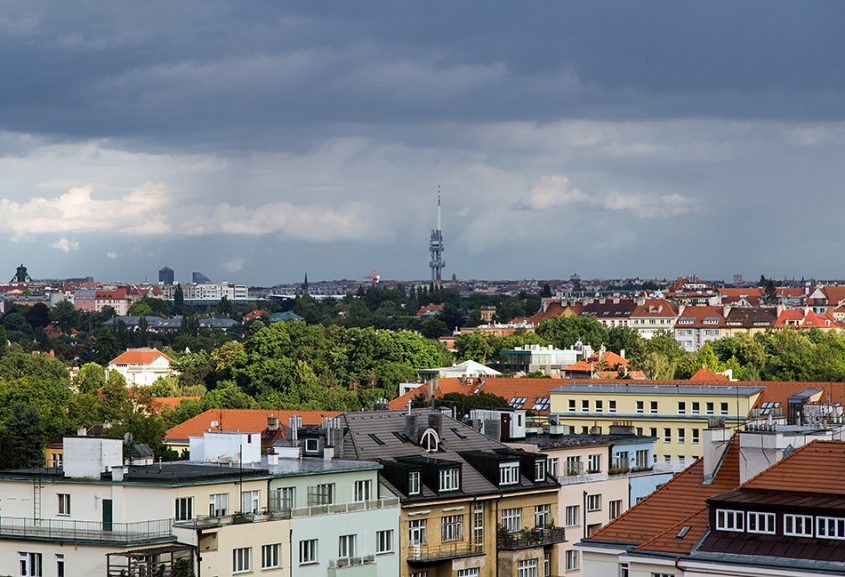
{"points": [[435, 247]]}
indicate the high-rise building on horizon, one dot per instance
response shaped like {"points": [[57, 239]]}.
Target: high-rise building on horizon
{"points": [[165, 275], [199, 278], [436, 248]]}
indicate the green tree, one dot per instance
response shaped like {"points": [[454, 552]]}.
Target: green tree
{"points": [[24, 437], [433, 328], [564, 332]]}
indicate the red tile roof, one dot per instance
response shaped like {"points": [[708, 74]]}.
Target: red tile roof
{"points": [[823, 461], [805, 319], [741, 292], [655, 308], [834, 294], [138, 357], [705, 375], [241, 420], [159, 403], [698, 314]]}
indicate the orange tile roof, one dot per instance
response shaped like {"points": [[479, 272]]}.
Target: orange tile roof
{"points": [[159, 403], [138, 357], [505, 387], [817, 467], [705, 375], [680, 499], [834, 294], [741, 292], [579, 367], [243, 420], [655, 308], [610, 359]]}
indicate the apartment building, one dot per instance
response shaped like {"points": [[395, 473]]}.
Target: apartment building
{"points": [[676, 415], [652, 316], [470, 506], [141, 367], [697, 325]]}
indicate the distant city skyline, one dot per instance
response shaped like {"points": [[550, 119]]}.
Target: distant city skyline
{"points": [[604, 138]]}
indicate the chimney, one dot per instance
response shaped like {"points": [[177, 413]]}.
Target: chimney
{"points": [[81, 432], [717, 439], [622, 353], [293, 429], [411, 427], [118, 472], [435, 421], [493, 429], [273, 423], [335, 439], [328, 453]]}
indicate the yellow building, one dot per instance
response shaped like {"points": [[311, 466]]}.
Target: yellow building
{"points": [[676, 415]]}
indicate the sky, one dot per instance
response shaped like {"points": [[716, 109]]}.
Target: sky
{"points": [[257, 142]]}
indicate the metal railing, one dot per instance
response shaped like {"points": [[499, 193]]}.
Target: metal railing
{"points": [[336, 508], [443, 551], [531, 538], [68, 530], [351, 561]]}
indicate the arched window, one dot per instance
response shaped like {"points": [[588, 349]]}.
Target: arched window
{"points": [[430, 441]]}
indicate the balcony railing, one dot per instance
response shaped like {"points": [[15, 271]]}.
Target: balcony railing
{"points": [[68, 530], [351, 561], [531, 538], [442, 552]]}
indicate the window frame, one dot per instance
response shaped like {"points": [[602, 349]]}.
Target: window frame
{"points": [[839, 527], [363, 490], [511, 519], [271, 551], [791, 518], [723, 515], [414, 482], [347, 546], [451, 528], [509, 473], [184, 508], [384, 542], [241, 560], [594, 502], [308, 552], [63, 504], [769, 523], [448, 479]]}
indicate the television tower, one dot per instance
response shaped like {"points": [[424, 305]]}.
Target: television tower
{"points": [[435, 247]]}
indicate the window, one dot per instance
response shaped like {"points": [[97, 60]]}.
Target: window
{"points": [[760, 523], [682, 435], [611, 406], [184, 508], [552, 467], [249, 502], [830, 527], [642, 459], [526, 568], [667, 435], [308, 552], [312, 445], [478, 522], [508, 473], [419, 574], [709, 408], [384, 541], [571, 405], [30, 564], [585, 406], [682, 408], [572, 515], [518, 402], [594, 463], [242, 560], [270, 556], [798, 525], [696, 407], [539, 469], [451, 527], [547, 564], [512, 520], [60, 565], [542, 515], [430, 441], [64, 503], [696, 436], [681, 460], [593, 503], [416, 532], [346, 546], [723, 408], [623, 570], [615, 508], [573, 466], [729, 520], [471, 572], [414, 483], [218, 505], [322, 494], [653, 407], [640, 407], [363, 490], [572, 560], [450, 479], [285, 498], [541, 404], [599, 406]]}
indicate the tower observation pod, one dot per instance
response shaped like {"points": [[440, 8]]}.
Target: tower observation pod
{"points": [[435, 247]]}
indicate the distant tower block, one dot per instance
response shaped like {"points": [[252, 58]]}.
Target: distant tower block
{"points": [[436, 248], [165, 275]]}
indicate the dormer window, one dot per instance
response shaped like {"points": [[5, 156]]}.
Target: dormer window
{"points": [[450, 479], [312, 445], [730, 520], [509, 473], [430, 441], [830, 527], [540, 470], [761, 523], [414, 483]]}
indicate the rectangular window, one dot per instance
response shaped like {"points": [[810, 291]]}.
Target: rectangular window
{"points": [[695, 436], [585, 406], [696, 407], [346, 546], [363, 491], [723, 409], [760, 523], [539, 470], [285, 498], [64, 503], [30, 564], [512, 520], [250, 502], [594, 463], [682, 435], [571, 405], [798, 525], [416, 532], [615, 508], [526, 568], [593, 503], [682, 408], [322, 494], [508, 473], [542, 515], [573, 466], [642, 459], [242, 560], [727, 520], [60, 565], [270, 556], [384, 541], [478, 522], [830, 527], [218, 505], [184, 508], [552, 467], [450, 479], [308, 552], [572, 560], [640, 405], [451, 528], [471, 572], [652, 407], [611, 406], [599, 406], [419, 574], [667, 435], [572, 515], [414, 483]]}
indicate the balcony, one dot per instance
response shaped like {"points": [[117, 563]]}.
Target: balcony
{"points": [[528, 538], [345, 507], [86, 531], [443, 552], [210, 522], [351, 561]]}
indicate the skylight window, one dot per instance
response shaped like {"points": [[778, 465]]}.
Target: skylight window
{"points": [[541, 404], [518, 402]]}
